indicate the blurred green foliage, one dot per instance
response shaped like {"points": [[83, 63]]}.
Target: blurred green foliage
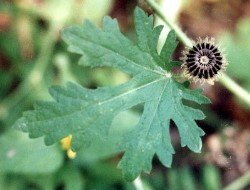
{"points": [[32, 58], [237, 49]]}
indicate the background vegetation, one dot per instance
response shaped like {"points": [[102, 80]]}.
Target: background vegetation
{"points": [[33, 57]]}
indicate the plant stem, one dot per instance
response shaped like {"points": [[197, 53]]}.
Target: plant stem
{"points": [[235, 88], [224, 79], [181, 35], [239, 183]]}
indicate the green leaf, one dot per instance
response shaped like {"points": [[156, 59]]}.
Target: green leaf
{"points": [[211, 177], [151, 135], [147, 36], [167, 51], [87, 114], [22, 155], [103, 148], [12, 183], [185, 174], [71, 178]]}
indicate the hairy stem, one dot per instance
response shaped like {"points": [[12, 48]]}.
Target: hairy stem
{"points": [[235, 88], [181, 35], [225, 80], [239, 183]]}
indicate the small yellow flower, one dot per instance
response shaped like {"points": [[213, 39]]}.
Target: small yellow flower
{"points": [[71, 154], [66, 145]]}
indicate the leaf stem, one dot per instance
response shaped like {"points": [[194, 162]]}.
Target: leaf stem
{"points": [[237, 90], [224, 79], [239, 183], [181, 35]]}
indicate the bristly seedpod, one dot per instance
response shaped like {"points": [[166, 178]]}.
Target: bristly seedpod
{"points": [[204, 61]]}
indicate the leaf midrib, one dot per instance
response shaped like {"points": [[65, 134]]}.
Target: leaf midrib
{"points": [[132, 90], [110, 99], [156, 107]]}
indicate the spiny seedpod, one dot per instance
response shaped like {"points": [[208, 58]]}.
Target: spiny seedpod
{"points": [[204, 61]]}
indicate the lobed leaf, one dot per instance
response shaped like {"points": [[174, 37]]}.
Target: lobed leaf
{"points": [[87, 114]]}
